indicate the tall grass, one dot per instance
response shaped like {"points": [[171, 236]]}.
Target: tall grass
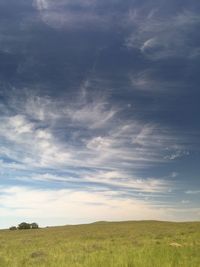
{"points": [[125, 244]]}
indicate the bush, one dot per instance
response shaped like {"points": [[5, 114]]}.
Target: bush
{"points": [[24, 225], [13, 228], [34, 226]]}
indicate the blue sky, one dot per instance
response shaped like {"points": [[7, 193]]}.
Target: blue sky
{"points": [[99, 110]]}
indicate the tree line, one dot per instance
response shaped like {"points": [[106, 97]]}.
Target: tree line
{"points": [[24, 225]]}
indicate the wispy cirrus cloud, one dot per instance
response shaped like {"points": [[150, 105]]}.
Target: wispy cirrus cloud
{"points": [[45, 4], [41, 4], [62, 14], [41, 135], [159, 37]]}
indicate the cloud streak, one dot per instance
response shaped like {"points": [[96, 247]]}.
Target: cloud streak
{"points": [[160, 38]]}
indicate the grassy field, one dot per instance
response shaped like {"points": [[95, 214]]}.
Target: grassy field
{"points": [[123, 244]]}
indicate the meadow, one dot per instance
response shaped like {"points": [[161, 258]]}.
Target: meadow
{"points": [[104, 244]]}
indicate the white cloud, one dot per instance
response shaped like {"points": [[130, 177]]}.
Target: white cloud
{"points": [[29, 145]]}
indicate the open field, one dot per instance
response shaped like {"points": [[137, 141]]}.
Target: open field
{"points": [[124, 244]]}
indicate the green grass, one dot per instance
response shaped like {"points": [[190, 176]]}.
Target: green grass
{"points": [[123, 244]]}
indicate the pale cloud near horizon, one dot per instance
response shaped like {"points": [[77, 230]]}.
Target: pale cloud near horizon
{"points": [[80, 206]]}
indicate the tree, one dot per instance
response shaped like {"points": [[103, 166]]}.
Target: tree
{"points": [[34, 225], [24, 225], [13, 228]]}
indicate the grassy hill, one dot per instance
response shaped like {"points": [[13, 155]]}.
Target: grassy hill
{"points": [[104, 244]]}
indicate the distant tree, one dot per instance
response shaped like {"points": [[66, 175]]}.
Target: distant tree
{"points": [[34, 225], [13, 228], [24, 225]]}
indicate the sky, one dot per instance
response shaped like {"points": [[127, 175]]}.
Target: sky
{"points": [[99, 111]]}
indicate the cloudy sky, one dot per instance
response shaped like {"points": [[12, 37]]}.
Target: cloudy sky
{"points": [[99, 110]]}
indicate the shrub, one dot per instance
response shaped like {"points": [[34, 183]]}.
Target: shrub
{"points": [[13, 228], [24, 225], [34, 226]]}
